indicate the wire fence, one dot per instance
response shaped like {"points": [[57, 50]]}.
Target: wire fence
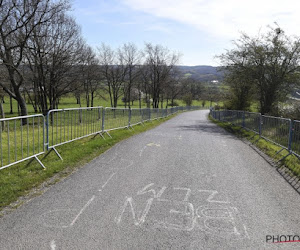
{"points": [[26, 137]]}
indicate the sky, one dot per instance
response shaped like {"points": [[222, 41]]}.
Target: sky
{"points": [[198, 29]]}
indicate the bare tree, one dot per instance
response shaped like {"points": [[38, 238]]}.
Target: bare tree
{"points": [[18, 19], [113, 69], [174, 86], [160, 62], [132, 60], [53, 54], [90, 76], [144, 85]]}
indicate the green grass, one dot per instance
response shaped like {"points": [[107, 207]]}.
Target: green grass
{"points": [[69, 101], [19, 179], [270, 149], [254, 106]]}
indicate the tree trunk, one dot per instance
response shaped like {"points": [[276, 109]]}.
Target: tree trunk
{"points": [[87, 99], [92, 98], [33, 103], [11, 105], [140, 99], [2, 114], [115, 102], [22, 104]]}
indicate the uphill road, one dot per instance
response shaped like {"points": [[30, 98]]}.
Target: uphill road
{"points": [[186, 184]]}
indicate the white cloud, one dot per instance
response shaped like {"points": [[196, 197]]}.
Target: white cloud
{"points": [[225, 18]]}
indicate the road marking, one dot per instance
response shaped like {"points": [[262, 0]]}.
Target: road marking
{"points": [[107, 181], [153, 144], [158, 195], [212, 195], [82, 210], [136, 220], [141, 152], [246, 232], [52, 245]]}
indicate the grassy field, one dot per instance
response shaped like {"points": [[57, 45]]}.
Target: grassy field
{"points": [[70, 102], [19, 179], [291, 162]]}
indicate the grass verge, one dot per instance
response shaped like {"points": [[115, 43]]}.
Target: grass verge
{"points": [[20, 180], [270, 149]]}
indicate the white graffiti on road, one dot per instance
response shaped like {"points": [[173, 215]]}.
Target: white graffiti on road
{"points": [[179, 208]]}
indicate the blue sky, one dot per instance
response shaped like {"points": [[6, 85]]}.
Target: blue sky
{"points": [[198, 29]]}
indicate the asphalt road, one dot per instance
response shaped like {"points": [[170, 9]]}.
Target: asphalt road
{"points": [[186, 184]]}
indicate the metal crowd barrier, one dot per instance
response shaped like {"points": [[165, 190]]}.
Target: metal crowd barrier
{"points": [[295, 138], [276, 130], [21, 138], [280, 131], [67, 125], [116, 118], [252, 121], [26, 137], [135, 117], [155, 114], [146, 114]]}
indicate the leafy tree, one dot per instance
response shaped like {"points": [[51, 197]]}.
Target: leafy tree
{"points": [[241, 90], [268, 63], [188, 99]]}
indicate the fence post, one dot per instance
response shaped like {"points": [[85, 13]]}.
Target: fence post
{"points": [[103, 119], [291, 135], [47, 131], [260, 124], [129, 117], [149, 114], [243, 121]]}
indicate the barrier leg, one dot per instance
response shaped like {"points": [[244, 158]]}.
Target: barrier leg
{"points": [[107, 134], [100, 134], [37, 159], [284, 157], [279, 151], [56, 152]]}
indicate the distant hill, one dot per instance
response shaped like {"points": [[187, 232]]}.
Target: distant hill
{"points": [[202, 73]]}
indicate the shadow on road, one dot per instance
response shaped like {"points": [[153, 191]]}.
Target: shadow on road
{"points": [[290, 177], [207, 127]]}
